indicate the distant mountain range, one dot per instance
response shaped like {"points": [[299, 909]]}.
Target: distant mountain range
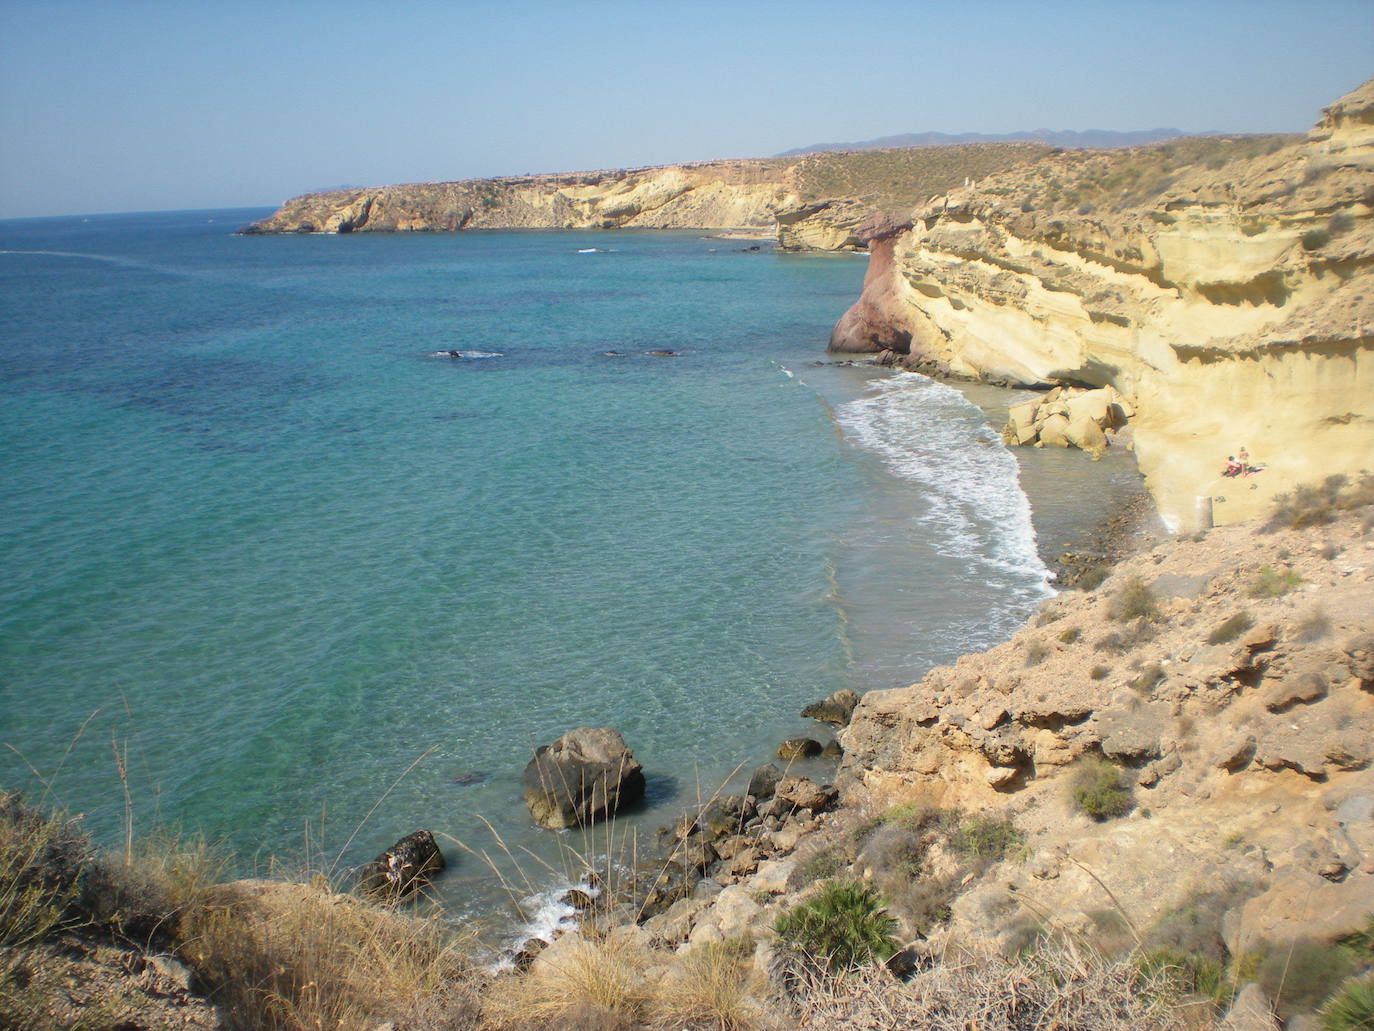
{"points": [[1089, 139]]}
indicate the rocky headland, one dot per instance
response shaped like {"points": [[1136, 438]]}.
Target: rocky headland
{"points": [[813, 201], [1221, 286]]}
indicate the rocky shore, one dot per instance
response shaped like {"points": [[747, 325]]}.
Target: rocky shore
{"points": [[1160, 789]]}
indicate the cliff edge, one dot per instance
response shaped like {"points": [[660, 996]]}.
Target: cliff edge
{"points": [[1222, 285]]}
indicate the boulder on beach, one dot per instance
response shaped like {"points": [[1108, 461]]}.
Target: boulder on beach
{"points": [[405, 867], [586, 775]]}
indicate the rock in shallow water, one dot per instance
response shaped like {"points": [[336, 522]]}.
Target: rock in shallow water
{"points": [[586, 775], [405, 867]]}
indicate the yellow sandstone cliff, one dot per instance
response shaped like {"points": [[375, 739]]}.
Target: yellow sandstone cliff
{"points": [[1221, 285]]}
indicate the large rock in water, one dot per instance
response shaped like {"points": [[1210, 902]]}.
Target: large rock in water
{"points": [[584, 776], [836, 709], [403, 868]]}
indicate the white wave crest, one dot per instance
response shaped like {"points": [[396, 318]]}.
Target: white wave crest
{"points": [[928, 434]]}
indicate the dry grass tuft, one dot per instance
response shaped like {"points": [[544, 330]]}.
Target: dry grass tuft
{"points": [[291, 956], [143, 898], [41, 861], [712, 986], [578, 982], [1059, 986]]}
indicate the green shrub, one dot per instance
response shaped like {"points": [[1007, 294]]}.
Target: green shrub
{"points": [[1231, 629], [1352, 1007], [1302, 975], [1192, 973], [988, 838], [1070, 635], [1099, 673], [1270, 583], [844, 926], [1132, 600], [1100, 789]]}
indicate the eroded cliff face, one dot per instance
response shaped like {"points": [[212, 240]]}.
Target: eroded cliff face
{"points": [[1223, 285], [814, 202], [726, 194], [1227, 681]]}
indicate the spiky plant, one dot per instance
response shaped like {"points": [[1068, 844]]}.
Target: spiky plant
{"points": [[845, 926]]}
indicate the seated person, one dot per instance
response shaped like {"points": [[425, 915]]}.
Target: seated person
{"points": [[1233, 468]]}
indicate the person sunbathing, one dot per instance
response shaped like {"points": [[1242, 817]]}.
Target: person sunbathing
{"points": [[1233, 468]]}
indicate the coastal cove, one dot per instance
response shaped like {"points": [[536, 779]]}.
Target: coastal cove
{"points": [[282, 550]]}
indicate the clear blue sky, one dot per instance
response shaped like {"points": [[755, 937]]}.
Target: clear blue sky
{"points": [[128, 105]]}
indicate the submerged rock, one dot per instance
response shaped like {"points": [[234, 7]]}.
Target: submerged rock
{"points": [[799, 748], [586, 775], [836, 709], [402, 869]]}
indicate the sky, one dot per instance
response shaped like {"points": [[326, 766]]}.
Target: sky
{"points": [[145, 105]]}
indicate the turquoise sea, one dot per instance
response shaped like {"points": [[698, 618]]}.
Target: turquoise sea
{"points": [[264, 546]]}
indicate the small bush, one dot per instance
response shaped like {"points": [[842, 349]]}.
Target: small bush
{"points": [[1352, 1007], [144, 898], [1148, 679], [1133, 600], [1101, 790], [711, 986], [42, 861], [843, 927], [1099, 672], [1092, 577], [1053, 986], [1301, 976], [1070, 635], [1037, 653], [823, 864], [1190, 972], [1231, 629], [1270, 583], [1131, 636], [1309, 505], [987, 838]]}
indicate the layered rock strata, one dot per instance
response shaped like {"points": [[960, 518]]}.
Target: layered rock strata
{"points": [[1223, 283], [811, 202], [1230, 679]]}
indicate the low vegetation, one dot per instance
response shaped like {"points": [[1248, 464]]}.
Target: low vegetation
{"points": [[1352, 1007], [899, 179], [1133, 600], [1313, 505], [1100, 790], [1232, 628], [843, 927], [1056, 985], [1273, 583]]}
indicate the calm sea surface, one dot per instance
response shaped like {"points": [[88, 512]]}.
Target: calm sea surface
{"points": [[255, 537]]}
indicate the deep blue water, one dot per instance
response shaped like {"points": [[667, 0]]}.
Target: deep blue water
{"points": [[280, 550]]}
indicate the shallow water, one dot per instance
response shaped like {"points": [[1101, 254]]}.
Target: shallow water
{"points": [[277, 551]]}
